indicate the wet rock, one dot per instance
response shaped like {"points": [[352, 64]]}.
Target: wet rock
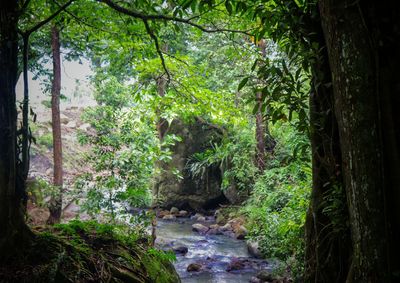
{"points": [[235, 264], [201, 219], [169, 217], [197, 216], [174, 210], [198, 227], [183, 213], [225, 228], [241, 233], [255, 280], [181, 250], [254, 249], [213, 232], [193, 267], [214, 226], [163, 213], [265, 276]]}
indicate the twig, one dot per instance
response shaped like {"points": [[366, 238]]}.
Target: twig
{"points": [[156, 43]]}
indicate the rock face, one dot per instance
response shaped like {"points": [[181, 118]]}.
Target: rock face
{"points": [[189, 192]]}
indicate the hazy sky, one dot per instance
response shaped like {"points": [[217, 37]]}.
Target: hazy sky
{"points": [[75, 86]]}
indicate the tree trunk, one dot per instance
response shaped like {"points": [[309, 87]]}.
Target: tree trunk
{"points": [[327, 235], [366, 90], [56, 200], [161, 124], [13, 231], [260, 135], [260, 124]]}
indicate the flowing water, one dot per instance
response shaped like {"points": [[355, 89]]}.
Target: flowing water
{"points": [[213, 252]]}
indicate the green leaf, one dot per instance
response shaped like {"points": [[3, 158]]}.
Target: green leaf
{"points": [[243, 83]]}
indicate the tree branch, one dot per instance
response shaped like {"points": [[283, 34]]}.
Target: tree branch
{"points": [[145, 17], [42, 23], [156, 43]]}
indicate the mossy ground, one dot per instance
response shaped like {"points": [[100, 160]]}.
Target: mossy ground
{"points": [[88, 252]]}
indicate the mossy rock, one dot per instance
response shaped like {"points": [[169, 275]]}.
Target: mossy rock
{"points": [[88, 252]]}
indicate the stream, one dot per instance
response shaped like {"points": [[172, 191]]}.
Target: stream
{"points": [[215, 253]]}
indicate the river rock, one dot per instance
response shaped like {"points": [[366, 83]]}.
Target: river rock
{"points": [[196, 216], [169, 217], [174, 210], [214, 226], [181, 250], [213, 232], [198, 227], [255, 280], [163, 213], [194, 192], [254, 249], [235, 264], [225, 228], [183, 213], [201, 219], [265, 276], [241, 233], [193, 267]]}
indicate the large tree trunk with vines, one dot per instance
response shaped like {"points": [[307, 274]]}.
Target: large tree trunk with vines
{"points": [[56, 200], [359, 37], [13, 231], [327, 238]]}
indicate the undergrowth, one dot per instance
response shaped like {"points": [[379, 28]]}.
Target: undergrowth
{"points": [[89, 252]]}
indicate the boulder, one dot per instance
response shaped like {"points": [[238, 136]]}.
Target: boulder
{"points": [[198, 227], [254, 249], [174, 210], [183, 213], [196, 216], [201, 219], [194, 267], [182, 250], [189, 191]]}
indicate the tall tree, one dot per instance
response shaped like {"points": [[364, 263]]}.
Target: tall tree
{"points": [[56, 200], [260, 126], [13, 230], [359, 37]]}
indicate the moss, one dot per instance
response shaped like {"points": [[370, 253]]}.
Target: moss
{"points": [[88, 252]]}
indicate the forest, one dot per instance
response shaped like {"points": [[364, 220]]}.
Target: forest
{"points": [[199, 141]]}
